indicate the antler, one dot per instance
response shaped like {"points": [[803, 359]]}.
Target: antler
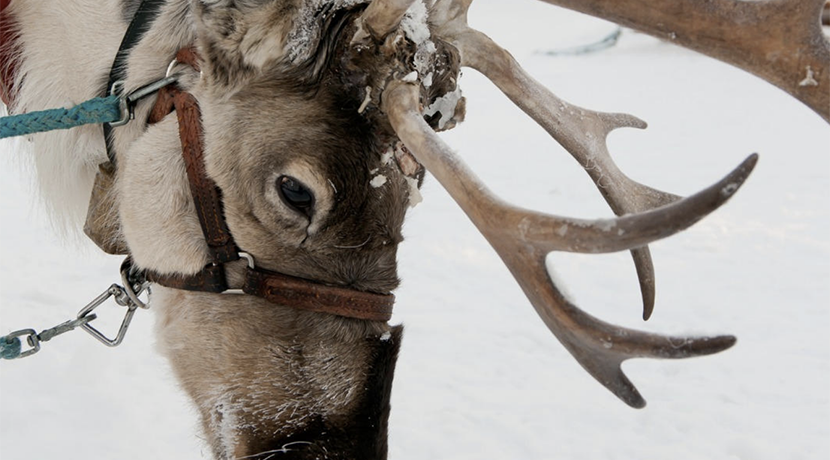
{"points": [[381, 18], [780, 41], [523, 238]]}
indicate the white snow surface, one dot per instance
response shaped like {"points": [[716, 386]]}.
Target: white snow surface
{"points": [[480, 376]]}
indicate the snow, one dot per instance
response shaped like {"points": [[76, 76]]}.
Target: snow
{"points": [[479, 375], [366, 99], [411, 77], [415, 197], [808, 80], [729, 189], [386, 158], [446, 105], [378, 181], [414, 22]]}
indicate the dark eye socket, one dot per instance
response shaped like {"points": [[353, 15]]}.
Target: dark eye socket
{"points": [[296, 195]]}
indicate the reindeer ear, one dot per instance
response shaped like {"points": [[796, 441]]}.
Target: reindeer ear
{"points": [[238, 37]]}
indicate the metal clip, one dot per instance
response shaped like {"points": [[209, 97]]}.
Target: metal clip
{"points": [[128, 296], [129, 101], [48, 334], [33, 339], [121, 298]]}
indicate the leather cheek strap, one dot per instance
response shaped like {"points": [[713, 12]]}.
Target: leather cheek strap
{"points": [[206, 195]]}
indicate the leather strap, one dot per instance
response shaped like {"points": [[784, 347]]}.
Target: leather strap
{"points": [[188, 56], [308, 295], [207, 197], [210, 279], [140, 24]]}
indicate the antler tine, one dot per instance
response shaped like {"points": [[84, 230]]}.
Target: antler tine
{"points": [[780, 41], [381, 18], [580, 131], [523, 238]]}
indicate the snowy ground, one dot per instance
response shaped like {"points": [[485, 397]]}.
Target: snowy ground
{"points": [[480, 376]]}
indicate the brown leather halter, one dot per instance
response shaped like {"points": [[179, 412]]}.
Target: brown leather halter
{"points": [[274, 287]]}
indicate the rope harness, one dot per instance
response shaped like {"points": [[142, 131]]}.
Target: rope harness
{"points": [[115, 110]]}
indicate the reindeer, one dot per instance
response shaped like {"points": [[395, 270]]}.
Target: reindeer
{"points": [[289, 177]]}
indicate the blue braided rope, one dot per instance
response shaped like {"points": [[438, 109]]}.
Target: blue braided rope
{"points": [[97, 111], [10, 349]]}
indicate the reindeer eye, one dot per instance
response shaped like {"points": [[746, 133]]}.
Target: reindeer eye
{"points": [[296, 195]]}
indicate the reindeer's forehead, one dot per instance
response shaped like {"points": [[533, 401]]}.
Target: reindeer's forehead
{"points": [[281, 126]]}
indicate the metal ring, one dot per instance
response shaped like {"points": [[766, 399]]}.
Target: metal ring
{"points": [[31, 339], [130, 284]]}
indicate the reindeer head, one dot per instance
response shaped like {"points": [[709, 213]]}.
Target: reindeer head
{"points": [[314, 184], [308, 166]]}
